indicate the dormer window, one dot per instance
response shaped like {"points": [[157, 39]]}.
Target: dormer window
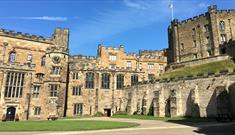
{"points": [[12, 57]]}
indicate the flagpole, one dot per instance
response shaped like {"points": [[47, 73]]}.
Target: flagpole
{"points": [[172, 9]]}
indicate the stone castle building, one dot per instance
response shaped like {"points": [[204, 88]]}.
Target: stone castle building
{"points": [[96, 84], [200, 37], [39, 78], [33, 74]]}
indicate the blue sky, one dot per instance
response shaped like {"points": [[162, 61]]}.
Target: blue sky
{"points": [[136, 24]]}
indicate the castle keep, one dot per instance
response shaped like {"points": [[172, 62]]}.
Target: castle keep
{"points": [[201, 36], [39, 79]]}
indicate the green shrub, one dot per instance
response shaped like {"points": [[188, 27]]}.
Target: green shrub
{"points": [[120, 113], [99, 114]]}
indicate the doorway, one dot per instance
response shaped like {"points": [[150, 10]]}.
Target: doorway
{"points": [[107, 112], [10, 116]]}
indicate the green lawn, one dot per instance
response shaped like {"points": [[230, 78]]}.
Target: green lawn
{"points": [[178, 119], [62, 125], [214, 67]]}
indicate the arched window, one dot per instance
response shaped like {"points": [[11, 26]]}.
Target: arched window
{"points": [[12, 57], [120, 81], [105, 81], [134, 79], [90, 80], [222, 25], [43, 61]]}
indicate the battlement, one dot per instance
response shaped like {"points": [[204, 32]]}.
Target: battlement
{"points": [[131, 54], [26, 36], [111, 48], [211, 9], [227, 11], [83, 57], [195, 18]]}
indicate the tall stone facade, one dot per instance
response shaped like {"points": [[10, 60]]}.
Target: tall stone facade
{"points": [[201, 36], [40, 79], [96, 84], [33, 74]]}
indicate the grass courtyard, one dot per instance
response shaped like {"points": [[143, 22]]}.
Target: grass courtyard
{"points": [[62, 125], [178, 119]]}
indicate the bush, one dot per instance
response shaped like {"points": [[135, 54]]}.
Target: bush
{"points": [[99, 114], [120, 113], [4, 117]]}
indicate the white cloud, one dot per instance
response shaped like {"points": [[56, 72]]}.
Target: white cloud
{"points": [[45, 18], [203, 5], [138, 4]]}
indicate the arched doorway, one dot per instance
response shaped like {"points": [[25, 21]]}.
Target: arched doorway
{"points": [[232, 99], [10, 115]]}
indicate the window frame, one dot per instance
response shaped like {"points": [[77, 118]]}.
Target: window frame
{"points": [[105, 81], [120, 81], [89, 82]]}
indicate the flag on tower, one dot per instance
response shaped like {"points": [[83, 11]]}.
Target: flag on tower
{"points": [[171, 5]]}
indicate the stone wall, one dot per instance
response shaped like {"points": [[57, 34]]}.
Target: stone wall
{"points": [[202, 97]]}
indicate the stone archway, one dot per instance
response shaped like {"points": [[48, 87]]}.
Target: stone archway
{"points": [[232, 98], [222, 101], [10, 115]]}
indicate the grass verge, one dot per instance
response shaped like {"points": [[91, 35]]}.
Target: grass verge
{"points": [[62, 125], [178, 119], [213, 67]]}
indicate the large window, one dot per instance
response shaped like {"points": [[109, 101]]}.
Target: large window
{"points": [[43, 61], [120, 81], [89, 80], [55, 70], [12, 57], [222, 25], [223, 38], [112, 57], [30, 58], [105, 81], [14, 85], [76, 91], [207, 29], [194, 43], [134, 79], [54, 90], [150, 65], [77, 109], [37, 110], [128, 64], [35, 93], [75, 75]]}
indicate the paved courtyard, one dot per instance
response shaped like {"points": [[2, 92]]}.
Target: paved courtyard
{"points": [[149, 127]]}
